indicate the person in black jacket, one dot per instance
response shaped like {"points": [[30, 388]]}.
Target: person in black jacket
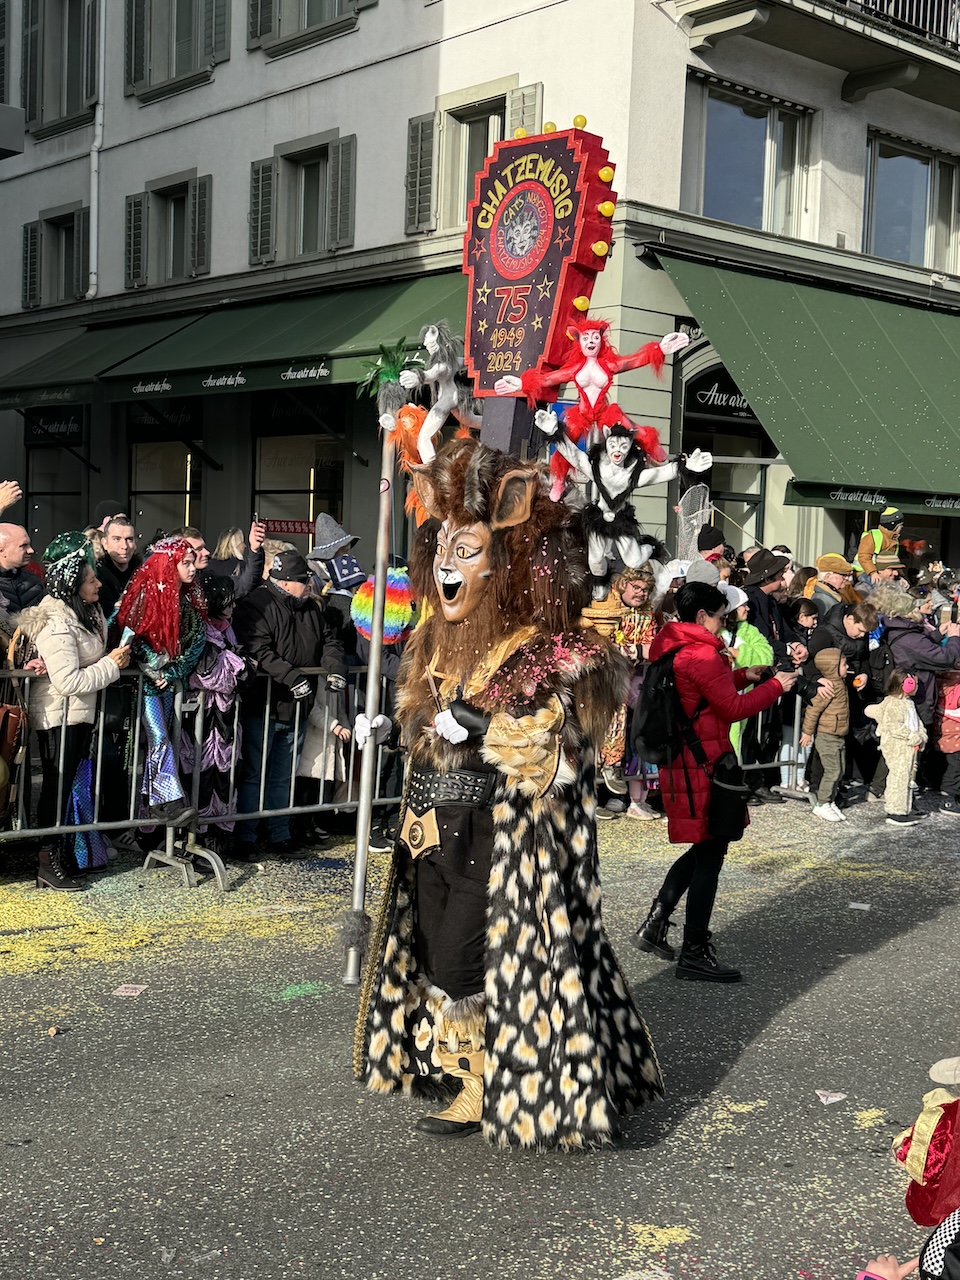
{"points": [[282, 628], [247, 573], [118, 563], [19, 588]]}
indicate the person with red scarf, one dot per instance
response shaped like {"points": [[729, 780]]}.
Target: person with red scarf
{"points": [[163, 613]]}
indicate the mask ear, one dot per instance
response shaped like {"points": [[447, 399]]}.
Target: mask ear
{"points": [[427, 493], [514, 499], [606, 432]]}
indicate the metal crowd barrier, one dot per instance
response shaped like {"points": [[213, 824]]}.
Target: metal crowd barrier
{"points": [[182, 846], [792, 762]]}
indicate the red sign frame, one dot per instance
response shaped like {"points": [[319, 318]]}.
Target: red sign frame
{"points": [[533, 230]]}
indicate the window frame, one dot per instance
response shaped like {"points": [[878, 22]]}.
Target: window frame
{"points": [[150, 28], [44, 282], [937, 161], [45, 68], [694, 152], [148, 230], [276, 198], [279, 27]]}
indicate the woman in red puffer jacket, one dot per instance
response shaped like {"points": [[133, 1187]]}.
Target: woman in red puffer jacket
{"points": [[710, 695]]}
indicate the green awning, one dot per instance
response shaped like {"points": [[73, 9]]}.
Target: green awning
{"points": [[295, 343], [861, 396], [68, 374]]}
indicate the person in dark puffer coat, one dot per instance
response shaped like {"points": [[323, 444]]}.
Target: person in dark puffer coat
{"points": [[703, 675]]}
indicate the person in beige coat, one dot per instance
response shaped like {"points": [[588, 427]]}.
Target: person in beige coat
{"points": [[826, 723], [902, 735], [68, 631]]}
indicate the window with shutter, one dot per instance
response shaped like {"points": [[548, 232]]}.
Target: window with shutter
{"points": [[280, 27], [524, 109], [81, 252], [3, 50], [136, 46], [199, 195], [135, 241], [421, 163], [216, 30], [261, 21], [263, 183], [341, 169], [30, 74], [30, 293], [90, 52]]}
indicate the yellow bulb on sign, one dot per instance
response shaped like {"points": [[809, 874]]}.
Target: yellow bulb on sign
{"points": [[607, 208], [606, 173], [579, 122], [550, 127], [520, 133], [581, 303], [600, 248]]}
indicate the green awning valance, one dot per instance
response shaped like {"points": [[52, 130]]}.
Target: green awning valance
{"points": [[68, 374], [291, 344], [861, 396]]}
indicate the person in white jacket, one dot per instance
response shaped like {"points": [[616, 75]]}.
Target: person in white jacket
{"points": [[68, 631]]}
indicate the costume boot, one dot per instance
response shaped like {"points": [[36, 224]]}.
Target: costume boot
{"points": [[652, 934], [461, 1054], [698, 961], [52, 873]]}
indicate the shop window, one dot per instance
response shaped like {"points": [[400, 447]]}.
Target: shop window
{"points": [[56, 257], [283, 26], [743, 156], [911, 205], [314, 180], [54, 501], [59, 71], [173, 45], [166, 489], [447, 148], [297, 478], [168, 231]]}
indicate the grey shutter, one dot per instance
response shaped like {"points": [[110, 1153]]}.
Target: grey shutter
{"points": [[216, 31], [260, 21], [422, 135], [90, 52], [81, 252], [30, 67], [135, 241], [263, 200], [341, 186], [136, 40], [199, 194], [524, 109], [3, 51], [31, 265]]}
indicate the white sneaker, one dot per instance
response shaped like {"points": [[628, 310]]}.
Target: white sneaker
{"points": [[639, 809], [826, 812], [839, 812]]}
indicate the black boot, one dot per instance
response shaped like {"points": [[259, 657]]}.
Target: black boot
{"points": [[652, 934], [52, 874], [698, 961], [173, 813]]}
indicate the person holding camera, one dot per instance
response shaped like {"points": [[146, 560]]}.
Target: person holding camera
{"points": [[704, 801]]}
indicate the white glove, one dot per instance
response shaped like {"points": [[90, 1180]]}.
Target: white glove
{"points": [[388, 422], [450, 728], [409, 378], [378, 728], [672, 342], [507, 385], [547, 421], [699, 460]]}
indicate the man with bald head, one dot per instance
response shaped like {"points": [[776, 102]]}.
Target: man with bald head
{"points": [[19, 588]]}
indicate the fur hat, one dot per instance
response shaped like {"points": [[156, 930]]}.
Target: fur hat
{"points": [[764, 567], [930, 1152], [833, 563]]}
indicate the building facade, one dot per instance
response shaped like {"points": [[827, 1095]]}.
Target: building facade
{"points": [[224, 207]]}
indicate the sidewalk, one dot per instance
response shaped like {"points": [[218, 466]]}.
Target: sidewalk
{"points": [[210, 1126]]}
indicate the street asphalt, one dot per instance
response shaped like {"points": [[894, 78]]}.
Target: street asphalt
{"points": [[209, 1126]]}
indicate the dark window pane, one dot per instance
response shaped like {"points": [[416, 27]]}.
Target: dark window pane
{"points": [[73, 57], [65, 282], [734, 162], [311, 207], [177, 232], [900, 188], [184, 57]]}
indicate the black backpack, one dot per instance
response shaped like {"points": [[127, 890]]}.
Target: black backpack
{"points": [[661, 727], [882, 662]]}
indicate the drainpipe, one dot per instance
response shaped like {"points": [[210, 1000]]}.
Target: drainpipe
{"points": [[95, 148]]}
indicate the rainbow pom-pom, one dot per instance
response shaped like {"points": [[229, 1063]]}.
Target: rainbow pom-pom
{"points": [[397, 608]]}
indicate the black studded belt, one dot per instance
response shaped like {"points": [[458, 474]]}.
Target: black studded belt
{"points": [[426, 789]]}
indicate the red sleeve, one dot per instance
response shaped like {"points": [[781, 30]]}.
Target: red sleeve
{"points": [[714, 681], [740, 678], [651, 354], [535, 385]]}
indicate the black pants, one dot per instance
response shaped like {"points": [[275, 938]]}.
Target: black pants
{"points": [[76, 747], [762, 748], [695, 873]]}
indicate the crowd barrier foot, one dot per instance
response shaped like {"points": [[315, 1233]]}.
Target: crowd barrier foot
{"points": [[187, 866]]}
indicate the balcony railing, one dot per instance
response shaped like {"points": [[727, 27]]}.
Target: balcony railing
{"points": [[938, 19]]}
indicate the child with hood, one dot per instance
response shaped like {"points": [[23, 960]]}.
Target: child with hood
{"points": [[826, 723], [902, 735]]}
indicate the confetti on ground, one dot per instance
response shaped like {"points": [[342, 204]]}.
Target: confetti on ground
{"points": [[872, 1118], [859, 906]]}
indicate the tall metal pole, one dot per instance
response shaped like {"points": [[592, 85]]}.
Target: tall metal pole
{"points": [[368, 759]]}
